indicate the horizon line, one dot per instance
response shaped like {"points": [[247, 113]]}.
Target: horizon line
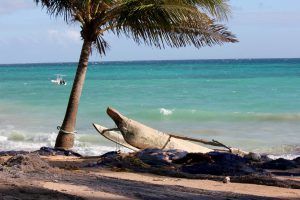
{"points": [[163, 60]]}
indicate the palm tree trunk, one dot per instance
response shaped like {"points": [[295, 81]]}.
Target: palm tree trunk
{"points": [[65, 138]]}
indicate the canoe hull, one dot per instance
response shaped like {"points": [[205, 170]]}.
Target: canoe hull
{"points": [[143, 137], [114, 137]]}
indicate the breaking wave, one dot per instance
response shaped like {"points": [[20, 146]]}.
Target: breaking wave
{"points": [[165, 112], [85, 144]]}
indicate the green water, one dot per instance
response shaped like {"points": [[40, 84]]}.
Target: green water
{"points": [[252, 104]]}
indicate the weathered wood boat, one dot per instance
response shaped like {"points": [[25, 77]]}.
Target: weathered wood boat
{"points": [[142, 137], [113, 136]]}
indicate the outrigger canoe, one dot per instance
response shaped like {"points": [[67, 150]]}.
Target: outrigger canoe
{"points": [[141, 136], [137, 136]]}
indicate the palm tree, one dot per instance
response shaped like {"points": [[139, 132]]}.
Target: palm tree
{"points": [[158, 23]]}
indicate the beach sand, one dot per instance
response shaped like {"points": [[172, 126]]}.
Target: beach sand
{"points": [[67, 178]]}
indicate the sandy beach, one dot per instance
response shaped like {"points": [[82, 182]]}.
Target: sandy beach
{"points": [[67, 178]]}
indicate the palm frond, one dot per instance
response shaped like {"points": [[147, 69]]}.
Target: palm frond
{"points": [[169, 23], [101, 45], [159, 23], [216, 8], [58, 8]]}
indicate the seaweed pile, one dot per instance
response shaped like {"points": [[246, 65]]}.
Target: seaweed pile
{"points": [[27, 163], [214, 166]]}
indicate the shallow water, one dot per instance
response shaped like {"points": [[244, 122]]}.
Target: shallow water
{"points": [[251, 104]]}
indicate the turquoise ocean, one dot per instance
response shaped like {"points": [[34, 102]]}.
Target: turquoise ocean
{"points": [[251, 104]]}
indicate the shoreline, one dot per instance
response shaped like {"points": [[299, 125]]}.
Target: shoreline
{"points": [[95, 149]]}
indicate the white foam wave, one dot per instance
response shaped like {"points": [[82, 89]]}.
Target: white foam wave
{"points": [[286, 156], [86, 149], [33, 142], [20, 146], [166, 112], [96, 150], [3, 138]]}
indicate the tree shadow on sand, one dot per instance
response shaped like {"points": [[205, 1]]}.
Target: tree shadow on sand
{"points": [[33, 192], [143, 190]]}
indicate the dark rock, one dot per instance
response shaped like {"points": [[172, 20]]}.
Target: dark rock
{"points": [[175, 154], [216, 163], [112, 158], [158, 157], [111, 154], [297, 161], [48, 151], [280, 164], [194, 158], [265, 158], [1, 168]]}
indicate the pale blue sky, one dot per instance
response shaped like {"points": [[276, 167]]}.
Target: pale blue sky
{"points": [[265, 28]]}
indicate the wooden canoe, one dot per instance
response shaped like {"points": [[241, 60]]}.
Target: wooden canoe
{"points": [[113, 136], [142, 137]]}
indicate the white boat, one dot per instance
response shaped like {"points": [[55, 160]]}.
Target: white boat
{"points": [[59, 80]]}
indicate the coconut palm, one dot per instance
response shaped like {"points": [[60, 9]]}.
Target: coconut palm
{"points": [[158, 23]]}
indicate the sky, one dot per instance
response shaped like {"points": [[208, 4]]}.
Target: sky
{"points": [[265, 29]]}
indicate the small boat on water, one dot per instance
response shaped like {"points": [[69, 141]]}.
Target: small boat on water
{"points": [[59, 80]]}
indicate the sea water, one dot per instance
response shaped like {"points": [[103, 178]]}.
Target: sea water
{"points": [[250, 104]]}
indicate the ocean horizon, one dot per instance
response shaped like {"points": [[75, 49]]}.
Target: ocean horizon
{"points": [[252, 104], [152, 60]]}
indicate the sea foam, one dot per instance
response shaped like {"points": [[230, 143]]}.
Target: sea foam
{"points": [[3, 138], [16, 140], [285, 156], [166, 112]]}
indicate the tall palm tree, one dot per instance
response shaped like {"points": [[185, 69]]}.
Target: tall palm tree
{"points": [[158, 23]]}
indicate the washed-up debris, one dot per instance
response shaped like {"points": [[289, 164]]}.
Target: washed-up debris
{"points": [[48, 151], [226, 179], [281, 164], [13, 153], [27, 163], [155, 157], [253, 156], [43, 151], [216, 163], [213, 166]]}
